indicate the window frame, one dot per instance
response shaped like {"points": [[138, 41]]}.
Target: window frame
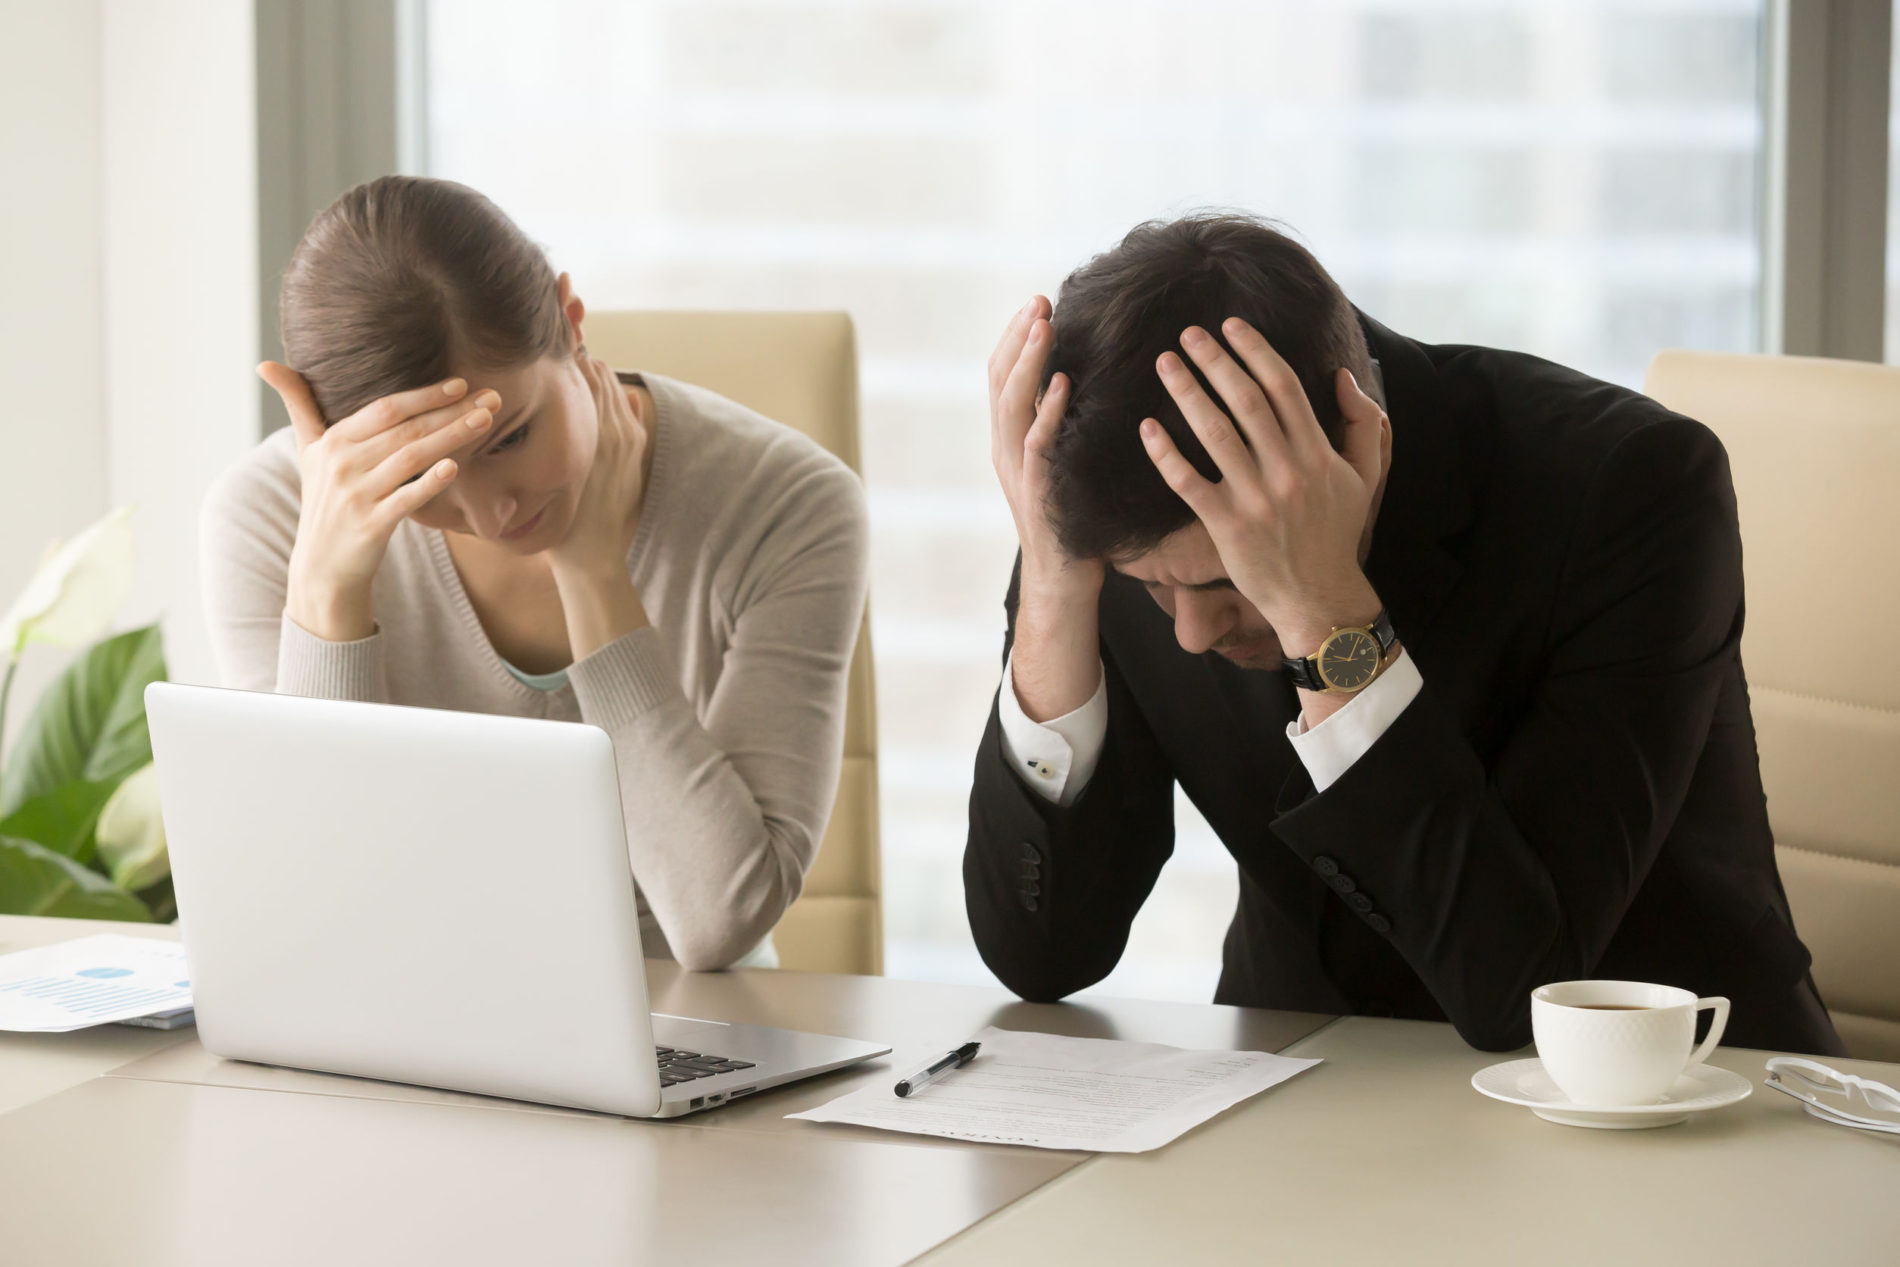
{"points": [[1828, 66]]}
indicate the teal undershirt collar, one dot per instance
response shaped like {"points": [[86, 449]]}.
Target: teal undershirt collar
{"points": [[539, 681]]}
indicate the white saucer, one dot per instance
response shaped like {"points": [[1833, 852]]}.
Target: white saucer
{"points": [[1524, 1082]]}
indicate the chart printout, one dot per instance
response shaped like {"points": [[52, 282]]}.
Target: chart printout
{"points": [[92, 981]]}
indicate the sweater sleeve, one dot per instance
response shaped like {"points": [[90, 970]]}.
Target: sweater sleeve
{"points": [[246, 528], [725, 812]]}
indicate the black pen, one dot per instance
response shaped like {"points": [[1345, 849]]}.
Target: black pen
{"points": [[938, 1067]]}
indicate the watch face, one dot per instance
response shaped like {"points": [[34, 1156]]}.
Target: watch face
{"points": [[1348, 659]]}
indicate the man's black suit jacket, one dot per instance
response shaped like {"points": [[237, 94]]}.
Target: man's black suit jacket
{"points": [[1574, 794]]}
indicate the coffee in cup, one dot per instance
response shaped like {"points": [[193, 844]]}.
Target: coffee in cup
{"points": [[1619, 1042]]}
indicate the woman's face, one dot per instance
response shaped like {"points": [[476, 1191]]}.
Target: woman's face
{"points": [[517, 488]]}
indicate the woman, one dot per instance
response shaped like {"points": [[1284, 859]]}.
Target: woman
{"points": [[470, 512]]}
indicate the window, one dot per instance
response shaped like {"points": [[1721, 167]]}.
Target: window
{"points": [[1893, 209], [1576, 179]]}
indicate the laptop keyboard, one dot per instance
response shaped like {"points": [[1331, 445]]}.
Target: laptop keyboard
{"points": [[678, 1066]]}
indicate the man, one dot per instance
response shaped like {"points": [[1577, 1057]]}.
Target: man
{"points": [[1442, 640]]}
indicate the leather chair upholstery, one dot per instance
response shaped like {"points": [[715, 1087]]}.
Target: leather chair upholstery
{"points": [[1815, 450], [800, 369]]}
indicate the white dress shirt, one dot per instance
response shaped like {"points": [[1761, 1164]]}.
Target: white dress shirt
{"points": [[1056, 758]]}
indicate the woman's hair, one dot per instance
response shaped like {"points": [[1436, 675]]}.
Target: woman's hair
{"points": [[400, 279]]}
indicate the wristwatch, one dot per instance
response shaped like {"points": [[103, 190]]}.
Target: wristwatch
{"points": [[1348, 660]]}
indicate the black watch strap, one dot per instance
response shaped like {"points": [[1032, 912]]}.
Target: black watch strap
{"points": [[1305, 673]]}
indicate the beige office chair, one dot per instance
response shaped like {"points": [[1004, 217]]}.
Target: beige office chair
{"points": [[801, 369], [1815, 450]]}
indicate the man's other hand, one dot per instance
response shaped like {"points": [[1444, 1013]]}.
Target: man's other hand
{"points": [[1290, 511], [1056, 657]]}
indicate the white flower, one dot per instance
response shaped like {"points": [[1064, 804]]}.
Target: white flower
{"points": [[131, 833], [77, 591]]}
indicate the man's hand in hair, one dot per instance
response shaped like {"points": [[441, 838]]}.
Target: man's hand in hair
{"points": [[1290, 512], [1057, 663]]}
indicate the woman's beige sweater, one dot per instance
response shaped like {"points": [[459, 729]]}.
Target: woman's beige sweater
{"points": [[726, 713]]}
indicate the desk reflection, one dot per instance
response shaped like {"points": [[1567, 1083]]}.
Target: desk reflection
{"points": [[123, 1170]]}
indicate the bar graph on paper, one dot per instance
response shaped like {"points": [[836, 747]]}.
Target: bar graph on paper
{"points": [[91, 981]]}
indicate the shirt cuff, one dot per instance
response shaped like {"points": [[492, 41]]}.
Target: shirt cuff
{"points": [[1329, 749], [1055, 759]]}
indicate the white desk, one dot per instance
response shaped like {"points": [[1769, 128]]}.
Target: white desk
{"points": [[192, 1160], [1382, 1154], [34, 1066]]}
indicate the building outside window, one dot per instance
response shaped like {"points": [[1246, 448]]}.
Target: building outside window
{"points": [[1576, 179]]}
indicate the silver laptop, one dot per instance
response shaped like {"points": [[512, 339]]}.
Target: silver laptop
{"points": [[431, 897]]}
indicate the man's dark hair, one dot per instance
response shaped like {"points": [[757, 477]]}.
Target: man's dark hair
{"points": [[1117, 313]]}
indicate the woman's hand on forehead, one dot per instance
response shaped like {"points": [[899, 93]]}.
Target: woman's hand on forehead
{"points": [[359, 479]]}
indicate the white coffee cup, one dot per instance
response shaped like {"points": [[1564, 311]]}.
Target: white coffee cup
{"points": [[1619, 1042]]}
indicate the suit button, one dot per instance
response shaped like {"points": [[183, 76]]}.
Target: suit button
{"points": [[1030, 871], [1379, 923], [1359, 902], [1028, 900], [1030, 854], [1326, 866], [1342, 883], [1031, 888]]}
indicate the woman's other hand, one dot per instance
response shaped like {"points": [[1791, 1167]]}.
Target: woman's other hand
{"points": [[362, 477], [598, 599], [608, 513]]}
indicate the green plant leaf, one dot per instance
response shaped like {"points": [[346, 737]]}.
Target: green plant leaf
{"points": [[80, 583], [131, 833], [160, 901], [63, 819], [89, 723], [36, 881]]}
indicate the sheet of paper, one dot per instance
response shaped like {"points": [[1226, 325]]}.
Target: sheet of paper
{"points": [[1046, 1091], [92, 981]]}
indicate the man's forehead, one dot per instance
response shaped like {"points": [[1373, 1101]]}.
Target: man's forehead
{"points": [[1188, 569]]}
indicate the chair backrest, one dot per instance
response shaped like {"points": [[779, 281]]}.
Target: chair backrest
{"points": [[1815, 450], [800, 369]]}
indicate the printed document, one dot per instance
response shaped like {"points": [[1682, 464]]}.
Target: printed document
{"points": [[1046, 1091], [92, 981]]}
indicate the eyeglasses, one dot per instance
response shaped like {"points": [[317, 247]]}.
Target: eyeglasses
{"points": [[1837, 1097]]}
